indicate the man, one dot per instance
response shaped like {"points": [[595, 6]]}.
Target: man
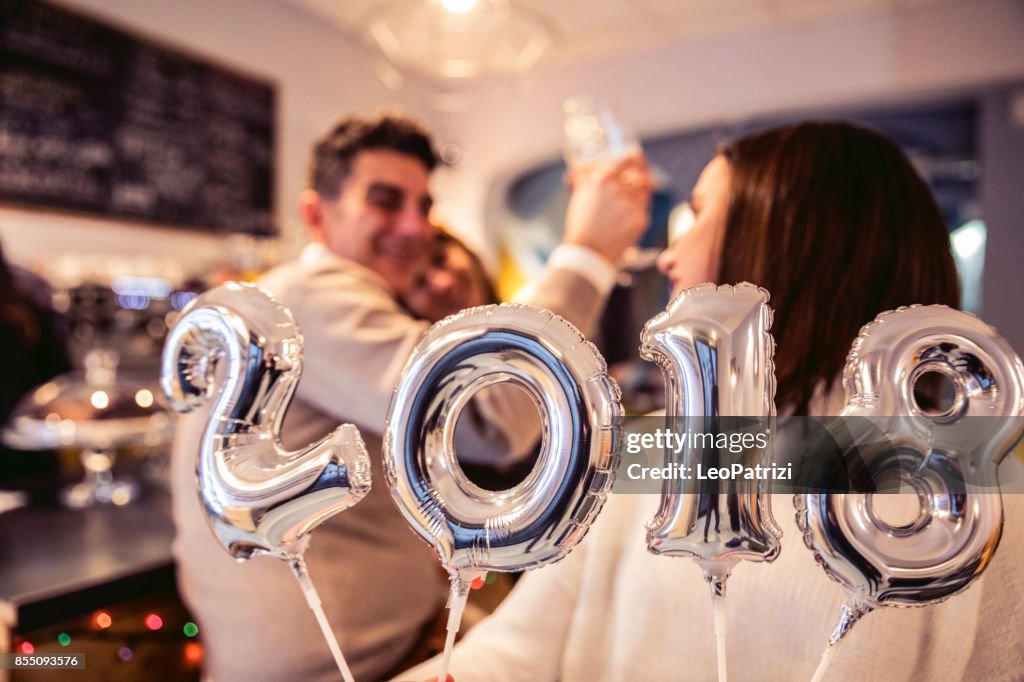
{"points": [[366, 211]]}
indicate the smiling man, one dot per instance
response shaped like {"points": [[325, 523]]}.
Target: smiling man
{"points": [[369, 195], [366, 212]]}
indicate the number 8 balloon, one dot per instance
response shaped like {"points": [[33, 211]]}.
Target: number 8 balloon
{"points": [[955, 533], [258, 497], [540, 519]]}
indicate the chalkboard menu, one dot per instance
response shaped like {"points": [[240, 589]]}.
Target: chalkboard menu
{"points": [[94, 119]]}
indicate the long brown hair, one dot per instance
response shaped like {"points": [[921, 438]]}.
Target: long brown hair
{"points": [[833, 220]]}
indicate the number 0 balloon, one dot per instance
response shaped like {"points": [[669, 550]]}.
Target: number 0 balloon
{"points": [[957, 527], [239, 349], [540, 519]]}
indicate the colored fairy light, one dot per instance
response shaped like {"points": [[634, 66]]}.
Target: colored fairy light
{"points": [[64, 639], [477, 583], [154, 622], [125, 654], [103, 620], [27, 648], [190, 629], [194, 653]]}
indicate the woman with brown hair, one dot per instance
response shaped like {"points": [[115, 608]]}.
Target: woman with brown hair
{"points": [[448, 278], [834, 222], [832, 219]]}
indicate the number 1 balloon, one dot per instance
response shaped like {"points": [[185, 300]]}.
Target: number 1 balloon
{"points": [[540, 519], [713, 345], [934, 452], [238, 349]]}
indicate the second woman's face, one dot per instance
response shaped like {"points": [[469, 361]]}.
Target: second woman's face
{"points": [[693, 257], [444, 282]]}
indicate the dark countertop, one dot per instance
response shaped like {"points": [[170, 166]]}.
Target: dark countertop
{"points": [[55, 562]]}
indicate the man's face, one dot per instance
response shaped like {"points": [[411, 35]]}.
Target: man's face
{"points": [[379, 219]]}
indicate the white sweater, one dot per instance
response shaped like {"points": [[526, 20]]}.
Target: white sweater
{"points": [[612, 611]]}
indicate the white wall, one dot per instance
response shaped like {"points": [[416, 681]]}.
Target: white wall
{"points": [[880, 55], [320, 75]]}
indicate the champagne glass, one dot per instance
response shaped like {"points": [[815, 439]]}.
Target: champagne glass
{"points": [[594, 134]]}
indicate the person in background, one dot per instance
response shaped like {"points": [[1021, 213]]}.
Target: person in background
{"points": [[366, 211], [33, 351], [835, 223], [448, 278]]}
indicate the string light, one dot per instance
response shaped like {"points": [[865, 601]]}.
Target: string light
{"points": [[27, 648], [194, 653], [125, 654], [103, 620], [190, 629], [64, 639], [154, 622], [144, 397]]}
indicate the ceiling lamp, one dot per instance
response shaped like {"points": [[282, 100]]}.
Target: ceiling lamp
{"points": [[461, 39]]}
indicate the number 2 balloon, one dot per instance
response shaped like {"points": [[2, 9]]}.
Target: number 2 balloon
{"points": [[239, 350]]}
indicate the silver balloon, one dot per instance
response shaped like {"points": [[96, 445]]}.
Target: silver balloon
{"points": [[932, 451], [541, 518], [714, 348], [239, 349]]}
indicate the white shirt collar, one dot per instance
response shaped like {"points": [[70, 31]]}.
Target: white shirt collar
{"points": [[312, 253]]}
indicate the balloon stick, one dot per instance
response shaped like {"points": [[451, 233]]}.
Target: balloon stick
{"points": [[456, 606], [826, 661], [715, 575], [850, 615], [718, 603], [298, 565]]}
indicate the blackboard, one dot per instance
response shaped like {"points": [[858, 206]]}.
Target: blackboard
{"points": [[95, 119]]}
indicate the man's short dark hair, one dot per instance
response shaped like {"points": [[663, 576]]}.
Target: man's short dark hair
{"points": [[333, 153]]}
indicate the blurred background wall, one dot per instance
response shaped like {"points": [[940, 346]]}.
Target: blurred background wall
{"points": [[319, 71], [720, 63]]}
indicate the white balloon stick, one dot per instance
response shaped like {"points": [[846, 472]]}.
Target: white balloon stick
{"points": [[826, 661], [298, 565], [456, 606], [718, 603]]}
